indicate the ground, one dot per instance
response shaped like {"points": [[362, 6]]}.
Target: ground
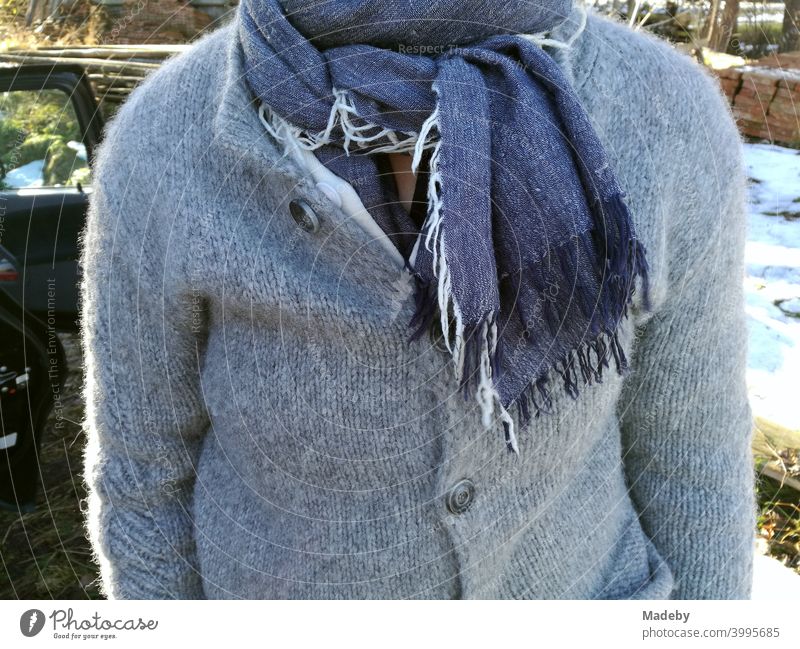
{"points": [[772, 286]]}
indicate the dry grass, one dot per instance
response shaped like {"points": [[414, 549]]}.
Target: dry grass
{"points": [[44, 554], [779, 519], [84, 24]]}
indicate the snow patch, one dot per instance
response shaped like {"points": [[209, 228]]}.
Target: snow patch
{"points": [[28, 175], [772, 258]]}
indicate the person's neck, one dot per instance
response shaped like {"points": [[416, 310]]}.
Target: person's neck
{"points": [[404, 178]]}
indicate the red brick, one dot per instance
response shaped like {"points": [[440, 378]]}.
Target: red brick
{"points": [[747, 101], [764, 79], [784, 107], [749, 112], [792, 137], [750, 127], [757, 132], [756, 96], [788, 85], [788, 122], [784, 93], [761, 85]]}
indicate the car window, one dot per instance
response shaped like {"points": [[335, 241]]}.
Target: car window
{"points": [[40, 141]]}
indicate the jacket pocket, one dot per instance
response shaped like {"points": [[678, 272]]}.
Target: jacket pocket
{"points": [[638, 571]]}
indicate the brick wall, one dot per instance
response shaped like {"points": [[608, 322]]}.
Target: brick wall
{"points": [[766, 101]]}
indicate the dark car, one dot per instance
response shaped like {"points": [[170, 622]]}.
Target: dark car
{"points": [[49, 127]]}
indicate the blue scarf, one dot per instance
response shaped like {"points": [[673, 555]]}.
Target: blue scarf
{"points": [[527, 258]]}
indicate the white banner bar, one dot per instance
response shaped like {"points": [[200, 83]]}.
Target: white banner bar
{"points": [[399, 624]]}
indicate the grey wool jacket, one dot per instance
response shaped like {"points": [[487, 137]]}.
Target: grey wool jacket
{"points": [[259, 425]]}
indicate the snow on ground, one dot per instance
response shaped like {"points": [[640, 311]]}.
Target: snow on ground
{"points": [[772, 283], [774, 581], [79, 148], [28, 175]]}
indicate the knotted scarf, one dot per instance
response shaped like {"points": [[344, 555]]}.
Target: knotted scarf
{"points": [[527, 259]]}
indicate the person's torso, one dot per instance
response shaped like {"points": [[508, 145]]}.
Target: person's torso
{"points": [[341, 460]]}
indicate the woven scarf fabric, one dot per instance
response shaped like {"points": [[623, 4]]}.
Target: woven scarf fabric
{"points": [[527, 259]]}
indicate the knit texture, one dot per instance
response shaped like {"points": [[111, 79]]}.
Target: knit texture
{"points": [[258, 428]]}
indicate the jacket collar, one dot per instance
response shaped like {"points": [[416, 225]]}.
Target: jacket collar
{"points": [[236, 123]]}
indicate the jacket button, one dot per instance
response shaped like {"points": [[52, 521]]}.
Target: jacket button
{"points": [[437, 338], [460, 497], [304, 216]]}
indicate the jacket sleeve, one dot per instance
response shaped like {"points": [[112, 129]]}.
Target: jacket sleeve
{"points": [[686, 422], [145, 418]]}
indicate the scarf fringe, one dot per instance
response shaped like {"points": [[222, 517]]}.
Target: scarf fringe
{"points": [[342, 127], [475, 351], [582, 366]]}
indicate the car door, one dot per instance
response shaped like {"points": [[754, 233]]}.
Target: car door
{"points": [[49, 125], [32, 371]]}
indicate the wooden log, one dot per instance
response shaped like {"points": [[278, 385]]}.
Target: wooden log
{"points": [[780, 476], [115, 50], [99, 77], [118, 46], [102, 64], [143, 56]]}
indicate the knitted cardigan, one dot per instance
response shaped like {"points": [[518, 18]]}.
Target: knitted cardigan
{"points": [[259, 426]]}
